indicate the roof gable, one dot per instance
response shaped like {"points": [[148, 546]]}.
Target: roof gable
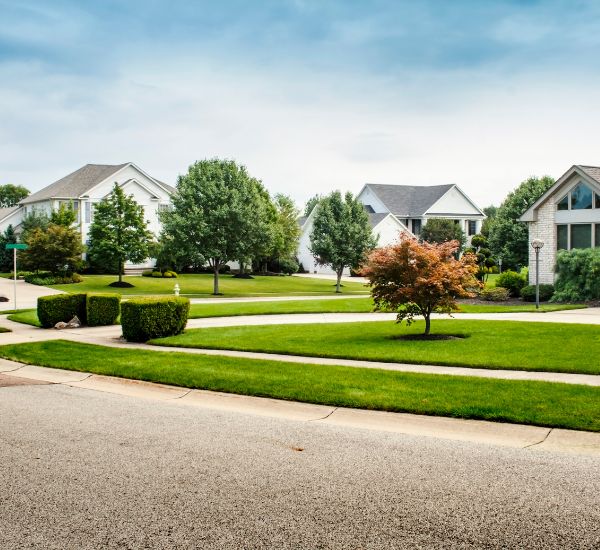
{"points": [[591, 174], [76, 183], [407, 201]]}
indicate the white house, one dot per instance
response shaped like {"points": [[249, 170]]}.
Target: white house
{"points": [[89, 185], [413, 205], [385, 226], [395, 210], [567, 216]]}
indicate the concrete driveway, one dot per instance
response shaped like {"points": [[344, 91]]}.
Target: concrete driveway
{"points": [[27, 294], [87, 469]]}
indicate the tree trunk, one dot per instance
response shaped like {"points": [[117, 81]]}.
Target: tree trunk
{"points": [[120, 270], [427, 324], [339, 280], [216, 278]]}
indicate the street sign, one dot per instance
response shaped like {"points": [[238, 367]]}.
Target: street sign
{"points": [[16, 246]]}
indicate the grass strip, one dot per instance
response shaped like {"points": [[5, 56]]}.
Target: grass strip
{"points": [[27, 317], [524, 402], [553, 347]]}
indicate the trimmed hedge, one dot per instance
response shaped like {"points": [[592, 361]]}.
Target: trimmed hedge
{"points": [[528, 293], [494, 294], [61, 307], [103, 309], [145, 318]]}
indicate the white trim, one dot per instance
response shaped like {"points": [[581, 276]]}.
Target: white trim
{"points": [[462, 215]]}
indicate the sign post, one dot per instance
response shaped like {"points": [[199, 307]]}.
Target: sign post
{"points": [[15, 247]]}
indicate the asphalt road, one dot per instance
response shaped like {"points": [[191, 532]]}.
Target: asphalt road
{"points": [[85, 469]]}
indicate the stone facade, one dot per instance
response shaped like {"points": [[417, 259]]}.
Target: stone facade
{"points": [[545, 230]]}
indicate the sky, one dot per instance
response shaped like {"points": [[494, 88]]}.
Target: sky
{"points": [[310, 95]]}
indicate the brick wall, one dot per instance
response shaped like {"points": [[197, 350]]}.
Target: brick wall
{"points": [[544, 229]]}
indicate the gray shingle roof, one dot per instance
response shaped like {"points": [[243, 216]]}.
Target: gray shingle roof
{"points": [[5, 212], [407, 201], [375, 218], [75, 184], [302, 220], [592, 171]]}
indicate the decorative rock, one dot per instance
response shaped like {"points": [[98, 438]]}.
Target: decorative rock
{"points": [[60, 325], [73, 323]]}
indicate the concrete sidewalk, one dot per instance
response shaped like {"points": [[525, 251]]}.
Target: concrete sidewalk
{"points": [[491, 433], [27, 294]]}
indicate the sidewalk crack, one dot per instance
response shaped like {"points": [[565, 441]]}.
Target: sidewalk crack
{"points": [[539, 442], [325, 417], [181, 396]]}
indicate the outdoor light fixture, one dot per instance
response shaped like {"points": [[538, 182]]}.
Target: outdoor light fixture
{"points": [[537, 245]]}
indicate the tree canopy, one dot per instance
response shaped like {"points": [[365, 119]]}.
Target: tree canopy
{"points": [[508, 237], [65, 215], [56, 249], [119, 232], [220, 214], [6, 256], [441, 230], [11, 195], [414, 278], [311, 203], [341, 235]]}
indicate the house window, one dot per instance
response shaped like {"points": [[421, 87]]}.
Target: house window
{"points": [[581, 235], [164, 207], [563, 204], [472, 227], [417, 227], [597, 236], [562, 237], [581, 197], [88, 212]]}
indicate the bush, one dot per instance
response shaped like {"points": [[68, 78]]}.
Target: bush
{"points": [[513, 281], [156, 274], [497, 294], [528, 293], [147, 273], [45, 278], [289, 266], [578, 275], [145, 318], [61, 307], [170, 274], [103, 309]]}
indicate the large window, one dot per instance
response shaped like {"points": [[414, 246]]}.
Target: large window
{"points": [[416, 227], [577, 235], [472, 227], [562, 237], [581, 235], [581, 197]]}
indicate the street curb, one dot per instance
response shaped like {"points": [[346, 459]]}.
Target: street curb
{"points": [[531, 438]]}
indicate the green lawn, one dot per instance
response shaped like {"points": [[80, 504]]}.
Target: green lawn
{"points": [[489, 344], [27, 317], [201, 285], [537, 403]]}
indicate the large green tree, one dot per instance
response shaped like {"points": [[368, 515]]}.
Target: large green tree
{"points": [[311, 203], [508, 237], [218, 215], [65, 215], [490, 212], [34, 220], [286, 231], [57, 249], [341, 235], [119, 232], [11, 195], [441, 230]]}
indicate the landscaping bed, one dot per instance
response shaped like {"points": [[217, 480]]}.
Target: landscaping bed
{"points": [[525, 402]]}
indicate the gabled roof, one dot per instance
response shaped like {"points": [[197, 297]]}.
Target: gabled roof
{"points": [[376, 218], [75, 184], [407, 201], [591, 172], [6, 212], [82, 181]]}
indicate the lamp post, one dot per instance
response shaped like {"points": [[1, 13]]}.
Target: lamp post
{"points": [[537, 245]]}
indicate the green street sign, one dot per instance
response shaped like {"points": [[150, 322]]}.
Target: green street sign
{"points": [[17, 246]]}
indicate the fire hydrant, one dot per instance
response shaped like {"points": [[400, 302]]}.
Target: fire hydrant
{"points": [[176, 289]]}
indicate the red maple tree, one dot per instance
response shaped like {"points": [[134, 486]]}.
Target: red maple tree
{"points": [[418, 278]]}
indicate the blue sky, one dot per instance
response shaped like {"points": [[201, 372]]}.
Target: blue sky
{"points": [[309, 95]]}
